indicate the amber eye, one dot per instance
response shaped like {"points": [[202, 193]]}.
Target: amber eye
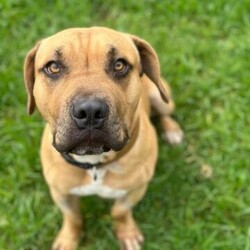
{"points": [[52, 68], [120, 65]]}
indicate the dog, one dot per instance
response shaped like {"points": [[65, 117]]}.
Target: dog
{"points": [[96, 89]]}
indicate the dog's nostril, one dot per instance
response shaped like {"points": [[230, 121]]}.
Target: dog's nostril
{"points": [[98, 114], [82, 115]]}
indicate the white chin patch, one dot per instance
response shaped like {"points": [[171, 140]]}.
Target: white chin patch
{"points": [[92, 159]]}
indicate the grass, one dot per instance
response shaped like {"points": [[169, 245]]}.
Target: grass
{"points": [[203, 47]]}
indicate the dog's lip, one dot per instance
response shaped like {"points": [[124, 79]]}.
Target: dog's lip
{"points": [[79, 144], [89, 151]]}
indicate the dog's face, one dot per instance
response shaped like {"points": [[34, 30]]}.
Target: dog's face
{"points": [[87, 85]]}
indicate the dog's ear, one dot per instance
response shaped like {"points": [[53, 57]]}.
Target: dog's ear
{"points": [[150, 64], [29, 77]]}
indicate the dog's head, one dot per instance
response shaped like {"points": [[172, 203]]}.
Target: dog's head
{"points": [[87, 85]]}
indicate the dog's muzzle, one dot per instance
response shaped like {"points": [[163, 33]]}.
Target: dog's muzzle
{"points": [[90, 130]]}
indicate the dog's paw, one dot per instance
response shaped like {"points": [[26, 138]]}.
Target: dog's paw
{"points": [[174, 136], [132, 243], [172, 132], [64, 243], [131, 240]]}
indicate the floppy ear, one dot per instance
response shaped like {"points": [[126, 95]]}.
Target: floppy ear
{"points": [[150, 64], [29, 77]]}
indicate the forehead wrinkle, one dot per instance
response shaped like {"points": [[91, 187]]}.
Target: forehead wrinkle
{"points": [[87, 50], [112, 52], [71, 51], [94, 51], [58, 53], [80, 46]]}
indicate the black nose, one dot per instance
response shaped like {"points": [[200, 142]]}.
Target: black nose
{"points": [[90, 114]]}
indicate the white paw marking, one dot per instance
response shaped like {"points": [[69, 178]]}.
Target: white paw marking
{"points": [[174, 136], [133, 244]]}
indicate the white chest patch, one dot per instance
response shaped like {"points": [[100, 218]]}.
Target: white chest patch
{"points": [[96, 187]]}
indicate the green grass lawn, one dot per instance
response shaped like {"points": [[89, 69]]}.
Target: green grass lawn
{"points": [[204, 50]]}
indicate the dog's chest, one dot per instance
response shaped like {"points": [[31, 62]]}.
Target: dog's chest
{"points": [[96, 186]]}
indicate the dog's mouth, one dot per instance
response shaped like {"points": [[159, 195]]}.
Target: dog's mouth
{"points": [[93, 150], [83, 147], [86, 144]]}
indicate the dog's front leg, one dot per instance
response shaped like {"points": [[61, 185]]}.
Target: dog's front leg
{"points": [[69, 235], [126, 229]]}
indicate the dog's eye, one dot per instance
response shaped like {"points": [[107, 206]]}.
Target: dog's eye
{"points": [[52, 68], [121, 66]]}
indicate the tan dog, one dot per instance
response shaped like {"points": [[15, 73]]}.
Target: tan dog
{"points": [[95, 88]]}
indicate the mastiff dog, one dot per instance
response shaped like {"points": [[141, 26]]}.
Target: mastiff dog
{"points": [[96, 88]]}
